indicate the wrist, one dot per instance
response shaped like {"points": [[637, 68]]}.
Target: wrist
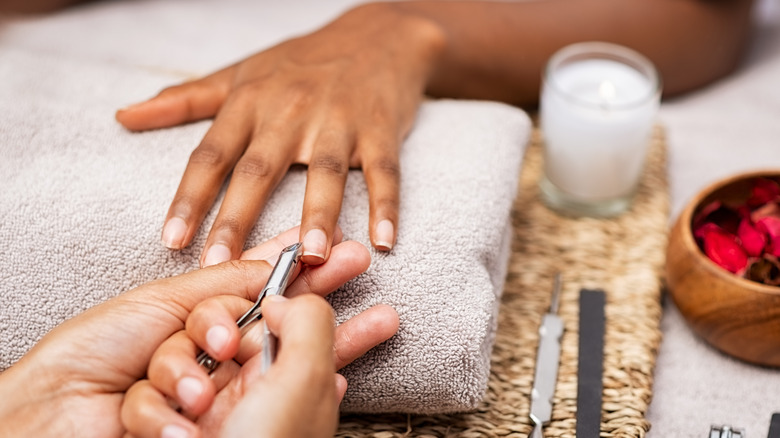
{"points": [[28, 408], [416, 38]]}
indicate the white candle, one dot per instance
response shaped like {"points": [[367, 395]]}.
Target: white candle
{"points": [[597, 114]]}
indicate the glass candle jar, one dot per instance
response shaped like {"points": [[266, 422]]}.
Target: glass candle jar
{"points": [[598, 106]]}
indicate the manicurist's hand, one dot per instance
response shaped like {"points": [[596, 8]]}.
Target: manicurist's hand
{"points": [[73, 381], [297, 397], [343, 96]]}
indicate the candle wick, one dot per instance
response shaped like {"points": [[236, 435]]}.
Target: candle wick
{"points": [[607, 91]]}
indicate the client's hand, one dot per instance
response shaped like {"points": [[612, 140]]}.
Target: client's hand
{"points": [[73, 381], [343, 96], [299, 395]]}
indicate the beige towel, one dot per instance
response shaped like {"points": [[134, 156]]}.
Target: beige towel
{"points": [[83, 201]]}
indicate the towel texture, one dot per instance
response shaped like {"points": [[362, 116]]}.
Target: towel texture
{"points": [[83, 201]]}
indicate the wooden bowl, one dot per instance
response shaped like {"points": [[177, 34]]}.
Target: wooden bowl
{"points": [[738, 316]]}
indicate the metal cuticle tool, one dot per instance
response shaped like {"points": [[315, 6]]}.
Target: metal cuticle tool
{"points": [[547, 359], [277, 283]]}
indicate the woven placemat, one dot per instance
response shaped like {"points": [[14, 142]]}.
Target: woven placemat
{"points": [[624, 256]]}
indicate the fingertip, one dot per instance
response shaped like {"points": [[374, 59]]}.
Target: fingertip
{"points": [[387, 320], [216, 254], [147, 412], [315, 247], [132, 116], [189, 393], [338, 235], [384, 235], [218, 339], [174, 233], [341, 387], [177, 431], [358, 255]]}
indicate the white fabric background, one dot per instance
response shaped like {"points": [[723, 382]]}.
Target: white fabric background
{"points": [[732, 126]]}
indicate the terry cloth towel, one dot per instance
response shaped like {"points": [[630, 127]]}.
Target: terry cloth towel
{"points": [[83, 202]]}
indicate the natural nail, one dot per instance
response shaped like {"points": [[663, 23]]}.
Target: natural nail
{"points": [[173, 233], [217, 338], [314, 243], [174, 431], [218, 253], [384, 235], [189, 390]]}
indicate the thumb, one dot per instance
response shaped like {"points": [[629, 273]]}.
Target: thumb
{"points": [[188, 102]]}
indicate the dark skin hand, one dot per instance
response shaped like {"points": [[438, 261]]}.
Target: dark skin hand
{"points": [[346, 95]]}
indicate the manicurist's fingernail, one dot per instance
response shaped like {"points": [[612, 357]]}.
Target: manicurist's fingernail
{"points": [[217, 338], [218, 253], [174, 431], [173, 233], [314, 243], [384, 235], [189, 390]]}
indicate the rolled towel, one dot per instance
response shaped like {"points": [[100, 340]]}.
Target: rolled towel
{"points": [[83, 202]]}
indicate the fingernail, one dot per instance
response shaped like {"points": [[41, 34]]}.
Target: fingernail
{"points": [[132, 106], [217, 338], [174, 232], [174, 431], [276, 298], [218, 253], [314, 243], [189, 390], [383, 235]]}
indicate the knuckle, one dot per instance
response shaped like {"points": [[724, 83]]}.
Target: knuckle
{"points": [[186, 203], [208, 154], [248, 91], [345, 342], [329, 164], [386, 166], [380, 114], [237, 267], [170, 91], [385, 204], [228, 225], [300, 92], [253, 166]]}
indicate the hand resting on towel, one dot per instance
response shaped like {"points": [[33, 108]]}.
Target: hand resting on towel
{"points": [[73, 382], [346, 95]]}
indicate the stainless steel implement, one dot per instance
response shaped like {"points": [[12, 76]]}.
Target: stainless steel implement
{"points": [[276, 285], [547, 359]]}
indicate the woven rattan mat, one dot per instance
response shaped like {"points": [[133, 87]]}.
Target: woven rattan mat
{"points": [[623, 256]]}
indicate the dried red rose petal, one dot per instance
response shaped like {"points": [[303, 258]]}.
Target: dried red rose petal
{"points": [[723, 248], [704, 213], [764, 191], [771, 226], [720, 214], [753, 240], [771, 209]]}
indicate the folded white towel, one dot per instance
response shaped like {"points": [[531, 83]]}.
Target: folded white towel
{"points": [[83, 201]]}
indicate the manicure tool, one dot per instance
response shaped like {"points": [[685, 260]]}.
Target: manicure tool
{"points": [[547, 358], [276, 285], [725, 432], [774, 426], [590, 363]]}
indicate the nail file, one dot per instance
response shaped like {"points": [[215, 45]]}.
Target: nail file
{"points": [[774, 426], [590, 363]]}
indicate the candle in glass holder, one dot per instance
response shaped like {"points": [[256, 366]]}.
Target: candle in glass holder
{"points": [[598, 107]]}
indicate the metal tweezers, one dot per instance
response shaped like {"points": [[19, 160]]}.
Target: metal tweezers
{"points": [[276, 285]]}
